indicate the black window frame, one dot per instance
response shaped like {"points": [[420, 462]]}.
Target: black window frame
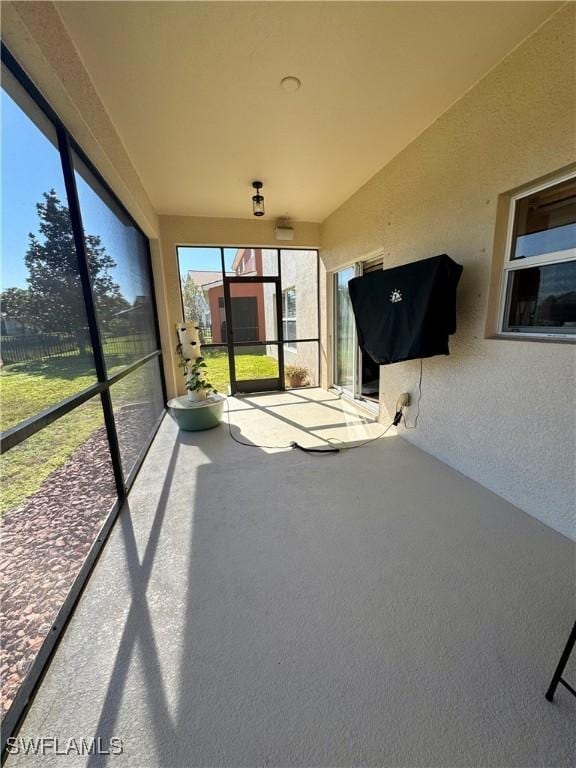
{"points": [[30, 426], [229, 344]]}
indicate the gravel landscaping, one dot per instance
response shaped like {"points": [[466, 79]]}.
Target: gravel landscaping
{"points": [[46, 539]]}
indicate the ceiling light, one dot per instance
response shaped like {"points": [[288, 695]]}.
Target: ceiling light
{"points": [[257, 199], [290, 84]]}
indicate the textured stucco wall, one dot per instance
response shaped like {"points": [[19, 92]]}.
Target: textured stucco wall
{"points": [[299, 271], [500, 411]]}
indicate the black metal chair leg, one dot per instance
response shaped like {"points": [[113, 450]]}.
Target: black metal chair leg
{"points": [[557, 677]]}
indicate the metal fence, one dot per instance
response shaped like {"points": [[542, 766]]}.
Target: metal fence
{"points": [[18, 349], [41, 346], [205, 333], [134, 345]]}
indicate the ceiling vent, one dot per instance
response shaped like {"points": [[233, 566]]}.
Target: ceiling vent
{"points": [[284, 230]]}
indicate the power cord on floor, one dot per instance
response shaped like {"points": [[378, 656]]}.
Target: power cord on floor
{"points": [[400, 415], [249, 445], [364, 442], [317, 451]]}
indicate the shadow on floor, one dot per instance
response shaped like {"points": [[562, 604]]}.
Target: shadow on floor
{"points": [[373, 608]]}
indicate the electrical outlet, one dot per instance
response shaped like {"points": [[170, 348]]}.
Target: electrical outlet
{"points": [[404, 400]]}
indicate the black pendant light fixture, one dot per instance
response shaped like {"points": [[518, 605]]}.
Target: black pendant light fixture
{"points": [[257, 199]]}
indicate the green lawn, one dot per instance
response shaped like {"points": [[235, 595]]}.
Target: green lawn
{"points": [[30, 387], [26, 466], [252, 364], [26, 389]]}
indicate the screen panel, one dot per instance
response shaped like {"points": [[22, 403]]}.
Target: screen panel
{"points": [[251, 262], [256, 363], [138, 402], [57, 491], [254, 312], [301, 364], [119, 268], [46, 350], [61, 476], [217, 371], [202, 289], [299, 293]]}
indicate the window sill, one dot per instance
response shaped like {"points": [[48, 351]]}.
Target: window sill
{"points": [[542, 337]]}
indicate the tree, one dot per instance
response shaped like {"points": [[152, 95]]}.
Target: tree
{"points": [[14, 303], [53, 300], [195, 305]]}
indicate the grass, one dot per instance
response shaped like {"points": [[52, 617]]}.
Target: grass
{"points": [[252, 364], [30, 387], [26, 466], [26, 389]]}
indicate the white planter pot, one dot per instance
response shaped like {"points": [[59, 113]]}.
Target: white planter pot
{"points": [[195, 397]]}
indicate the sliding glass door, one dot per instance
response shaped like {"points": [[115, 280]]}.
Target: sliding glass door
{"points": [[355, 373], [345, 344]]}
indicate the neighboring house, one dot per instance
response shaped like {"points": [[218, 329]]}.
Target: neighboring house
{"points": [[203, 280], [139, 307], [247, 312], [247, 299], [9, 326], [254, 309], [247, 262], [256, 304]]}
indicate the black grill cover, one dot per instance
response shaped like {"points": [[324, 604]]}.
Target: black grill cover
{"points": [[406, 312]]}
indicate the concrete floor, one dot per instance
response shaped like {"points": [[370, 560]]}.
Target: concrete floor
{"points": [[269, 608]]}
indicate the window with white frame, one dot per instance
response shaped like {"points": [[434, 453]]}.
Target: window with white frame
{"points": [[289, 318], [539, 282]]}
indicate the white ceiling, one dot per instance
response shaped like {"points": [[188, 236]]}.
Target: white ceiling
{"points": [[194, 90]]}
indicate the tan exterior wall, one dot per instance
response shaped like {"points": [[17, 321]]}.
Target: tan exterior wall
{"points": [[299, 271], [500, 411]]}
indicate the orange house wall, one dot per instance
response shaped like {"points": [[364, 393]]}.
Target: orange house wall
{"points": [[237, 289]]}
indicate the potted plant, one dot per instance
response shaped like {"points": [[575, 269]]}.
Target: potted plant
{"points": [[201, 407], [197, 384], [296, 375]]}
